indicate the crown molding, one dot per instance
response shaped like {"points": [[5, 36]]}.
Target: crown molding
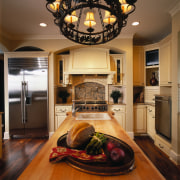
{"points": [[175, 10], [46, 37]]}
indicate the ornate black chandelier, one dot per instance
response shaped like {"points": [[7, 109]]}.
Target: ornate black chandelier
{"points": [[90, 22]]}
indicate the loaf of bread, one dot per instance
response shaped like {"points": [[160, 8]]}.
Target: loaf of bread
{"points": [[79, 134]]}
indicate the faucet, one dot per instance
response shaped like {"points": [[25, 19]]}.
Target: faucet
{"points": [[74, 109]]}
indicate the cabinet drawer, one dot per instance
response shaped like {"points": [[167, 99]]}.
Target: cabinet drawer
{"points": [[118, 109], [62, 110], [163, 145]]}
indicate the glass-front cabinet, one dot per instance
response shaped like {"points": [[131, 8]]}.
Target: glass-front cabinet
{"points": [[60, 71], [117, 66], [60, 68]]}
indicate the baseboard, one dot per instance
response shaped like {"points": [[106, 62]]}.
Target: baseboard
{"points": [[6, 135], [175, 157], [50, 134], [131, 134]]}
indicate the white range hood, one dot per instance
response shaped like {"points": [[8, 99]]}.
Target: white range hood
{"points": [[89, 61]]}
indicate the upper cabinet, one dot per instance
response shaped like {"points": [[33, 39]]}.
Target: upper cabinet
{"points": [[138, 66], [61, 64], [118, 65], [152, 67], [165, 64], [158, 63]]}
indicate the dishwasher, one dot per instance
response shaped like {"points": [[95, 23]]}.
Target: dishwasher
{"points": [[163, 116]]}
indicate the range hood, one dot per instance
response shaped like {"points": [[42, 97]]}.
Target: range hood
{"points": [[89, 61]]}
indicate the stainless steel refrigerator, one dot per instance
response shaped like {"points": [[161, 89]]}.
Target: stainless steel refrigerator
{"points": [[28, 96]]}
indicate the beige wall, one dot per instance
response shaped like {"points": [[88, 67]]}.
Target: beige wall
{"points": [[175, 62], [57, 45]]}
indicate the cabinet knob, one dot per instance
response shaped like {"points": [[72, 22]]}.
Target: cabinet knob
{"points": [[161, 146]]}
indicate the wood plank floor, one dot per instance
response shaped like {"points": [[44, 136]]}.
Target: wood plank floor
{"points": [[18, 153], [167, 168]]}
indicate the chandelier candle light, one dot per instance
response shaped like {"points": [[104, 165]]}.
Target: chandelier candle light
{"points": [[90, 22]]}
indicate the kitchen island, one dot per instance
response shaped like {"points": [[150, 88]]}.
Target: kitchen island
{"points": [[41, 168]]}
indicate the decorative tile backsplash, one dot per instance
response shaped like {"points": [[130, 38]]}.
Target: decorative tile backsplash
{"points": [[90, 91]]}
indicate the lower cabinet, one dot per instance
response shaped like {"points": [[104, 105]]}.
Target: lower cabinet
{"points": [[140, 118], [119, 114], [162, 144], [151, 121], [60, 114]]}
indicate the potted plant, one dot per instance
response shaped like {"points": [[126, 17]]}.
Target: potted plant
{"points": [[64, 95], [116, 95]]}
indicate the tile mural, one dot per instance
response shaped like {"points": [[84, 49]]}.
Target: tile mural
{"points": [[90, 91]]}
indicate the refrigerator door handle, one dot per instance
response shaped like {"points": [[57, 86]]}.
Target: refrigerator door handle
{"points": [[22, 102], [25, 85]]}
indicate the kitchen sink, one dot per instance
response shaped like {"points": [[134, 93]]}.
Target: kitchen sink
{"points": [[92, 116]]}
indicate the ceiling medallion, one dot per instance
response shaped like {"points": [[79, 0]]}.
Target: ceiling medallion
{"points": [[90, 22]]}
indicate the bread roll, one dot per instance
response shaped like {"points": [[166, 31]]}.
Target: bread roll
{"points": [[79, 134]]}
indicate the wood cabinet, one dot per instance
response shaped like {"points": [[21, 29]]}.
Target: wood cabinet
{"points": [[117, 65], [165, 64], [138, 66], [162, 144], [60, 114], [60, 67], [139, 118], [119, 113], [151, 121]]}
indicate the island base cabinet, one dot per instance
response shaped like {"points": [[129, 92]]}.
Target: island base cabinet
{"points": [[119, 114], [139, 119], [61, 114]]}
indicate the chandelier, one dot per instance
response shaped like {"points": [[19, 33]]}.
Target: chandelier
{"points": [[90, 22]]}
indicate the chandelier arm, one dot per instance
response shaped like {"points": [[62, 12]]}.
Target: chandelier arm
{"points": [[100, 15], [134, 8], [79, 19]]}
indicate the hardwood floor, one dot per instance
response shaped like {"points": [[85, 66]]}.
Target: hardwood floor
{"points": [[167, 168], [18, 153]]}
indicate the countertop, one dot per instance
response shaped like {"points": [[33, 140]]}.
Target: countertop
{"points": [[41, 168]]}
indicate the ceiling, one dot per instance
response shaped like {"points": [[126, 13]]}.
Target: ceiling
{"points": [[21, 18]]}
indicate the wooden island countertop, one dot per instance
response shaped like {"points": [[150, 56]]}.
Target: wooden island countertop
{"points": [[41, 168]]}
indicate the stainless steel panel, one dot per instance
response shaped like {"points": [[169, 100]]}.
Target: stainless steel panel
{"points": [[28, 102], [163, 116], [36, 98], [15, 78]]}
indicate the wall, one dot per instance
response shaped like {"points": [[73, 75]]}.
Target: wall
{"points": [[175, 153], [55, 45]]}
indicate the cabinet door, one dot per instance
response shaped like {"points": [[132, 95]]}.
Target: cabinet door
{"points": [[138, 66], [151, 122], [120, 117], [60, 72], [140, 119], [165, 64], [59, 120], [117, 66]]}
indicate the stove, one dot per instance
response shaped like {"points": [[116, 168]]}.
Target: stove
{"points": [[90, 106]]}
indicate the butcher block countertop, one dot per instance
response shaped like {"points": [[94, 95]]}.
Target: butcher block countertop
{"points": [[41, 168]]}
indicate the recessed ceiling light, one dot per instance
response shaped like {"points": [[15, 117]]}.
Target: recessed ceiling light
{"points": [[43, 24], [135, 23]]}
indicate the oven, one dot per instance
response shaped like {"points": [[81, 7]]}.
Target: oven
{"points": [[163, 116]]}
